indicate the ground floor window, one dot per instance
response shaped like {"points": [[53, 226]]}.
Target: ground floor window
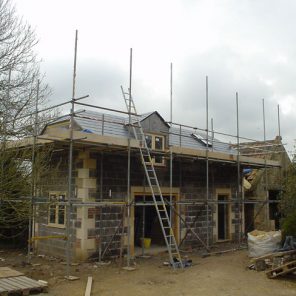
{"points": [[57, 211]]}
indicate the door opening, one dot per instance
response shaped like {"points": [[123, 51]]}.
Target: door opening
{"points": [[223, 217], [146, 223], [249, 217], [274, 212]]}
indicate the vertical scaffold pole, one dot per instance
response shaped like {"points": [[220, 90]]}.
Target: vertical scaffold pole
{"points": [[212, 133], [129, 164], [70, 167], [283, 167], [207, 159], [31, 211], [239, 204], [265, 168], [279, 121], [171, 152]]}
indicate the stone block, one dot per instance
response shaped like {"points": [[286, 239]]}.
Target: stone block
{"points": [[91, 233], [90, 244], [79, 164], [82, 193], [89, 163], [77, 223], [83, 173], [91, 213]]}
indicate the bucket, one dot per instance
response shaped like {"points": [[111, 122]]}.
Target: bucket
{"points": [[147, 242]]}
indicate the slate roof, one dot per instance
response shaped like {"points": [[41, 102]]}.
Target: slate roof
{"points": [[114, 125]]}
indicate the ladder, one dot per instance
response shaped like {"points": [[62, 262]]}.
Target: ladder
{"points": [[159, 202]]}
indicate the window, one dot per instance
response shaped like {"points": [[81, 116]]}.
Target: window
{"points": [[155, 142], [56, 211]]}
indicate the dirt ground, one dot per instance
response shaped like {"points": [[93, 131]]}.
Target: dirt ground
{"points": [[221, 275]]}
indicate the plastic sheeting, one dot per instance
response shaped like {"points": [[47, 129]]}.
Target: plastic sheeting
{"points": [[261, 243]]}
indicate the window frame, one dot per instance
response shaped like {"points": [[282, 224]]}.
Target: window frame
{"points": [[57, 208], [153, 148]]}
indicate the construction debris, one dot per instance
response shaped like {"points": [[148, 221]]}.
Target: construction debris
{"points": [[185, 263], [14, 282], [277, 263], [261, 243], [71, 278], [281, 270]]}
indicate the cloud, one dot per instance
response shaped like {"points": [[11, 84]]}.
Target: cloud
{"points": [[245, 46]]}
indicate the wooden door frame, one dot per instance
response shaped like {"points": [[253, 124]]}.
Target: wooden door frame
{"points": [[226, 192], [142, 190]]}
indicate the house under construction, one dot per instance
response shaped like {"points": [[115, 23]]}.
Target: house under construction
{"points": [[200, 180], [119, 177]]}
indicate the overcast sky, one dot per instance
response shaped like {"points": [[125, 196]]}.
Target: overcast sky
{"points": [[246, 46]]}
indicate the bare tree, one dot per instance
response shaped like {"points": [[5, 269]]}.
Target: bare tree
{"points": [[20, 80], [19, 73]]}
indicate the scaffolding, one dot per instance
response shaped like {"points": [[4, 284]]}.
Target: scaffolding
{"points": [[128, 202]]}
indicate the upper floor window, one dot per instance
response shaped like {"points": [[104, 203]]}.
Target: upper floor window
{"points": [[156, 142]]}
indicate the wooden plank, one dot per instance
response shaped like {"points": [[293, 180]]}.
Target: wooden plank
{"points": [[271, 255], [88, 286], [272, 276], [282, 270], [117, 141], [15, 286], [18, 283], [21, 284], [32, 283], [6, 272], [5, 286]]}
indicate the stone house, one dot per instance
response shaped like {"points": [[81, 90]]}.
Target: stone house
{"points": [[98, 217]]}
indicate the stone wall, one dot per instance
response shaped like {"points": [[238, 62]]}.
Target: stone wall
{"points": [[103, 176], [55, 179]]}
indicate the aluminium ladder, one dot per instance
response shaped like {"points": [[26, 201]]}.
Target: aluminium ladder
{"points": [[159, 202]]}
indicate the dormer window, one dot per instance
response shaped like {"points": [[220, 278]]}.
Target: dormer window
{"points": [[155, 142], [202, 140]]}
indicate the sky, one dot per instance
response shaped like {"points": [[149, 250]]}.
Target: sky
{"points": [[244, 46]]}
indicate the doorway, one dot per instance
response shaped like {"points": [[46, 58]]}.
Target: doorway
{"points": [[146, 222], [274, 212], [142, 194], [249, 217], [223, 217]]}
